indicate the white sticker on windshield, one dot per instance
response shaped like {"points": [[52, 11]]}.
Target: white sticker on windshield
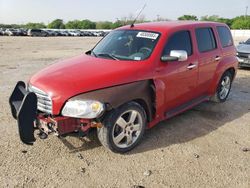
{"points": [[147, 35], [137, 58]]}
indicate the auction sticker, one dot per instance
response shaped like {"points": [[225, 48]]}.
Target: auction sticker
{"points": [[148, 35]]}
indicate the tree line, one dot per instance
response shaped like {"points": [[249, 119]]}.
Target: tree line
{"points": [[239, 22]]}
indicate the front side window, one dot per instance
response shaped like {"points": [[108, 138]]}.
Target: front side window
{"points": [[225, 36], [127, 45], [179, 41], [205, 39]]}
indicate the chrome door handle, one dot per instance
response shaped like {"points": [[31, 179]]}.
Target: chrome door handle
{"points": [[191, 66], [217, 58]]}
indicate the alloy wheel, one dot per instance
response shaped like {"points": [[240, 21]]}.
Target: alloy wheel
{"points": [[127, 129], [225, 87]]}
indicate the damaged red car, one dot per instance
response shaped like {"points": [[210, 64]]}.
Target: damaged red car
{"points": [[135, 77]]}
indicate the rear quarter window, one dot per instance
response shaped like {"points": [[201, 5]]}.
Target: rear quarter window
{"points": [[225, 36], [205, 39]]}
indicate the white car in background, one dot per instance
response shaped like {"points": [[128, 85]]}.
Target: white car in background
{"points": [[243, 53], [74, 33]]}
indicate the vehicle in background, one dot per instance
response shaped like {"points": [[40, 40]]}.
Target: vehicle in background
{"points": [[59, 33], [1, 31], [64, 33], [23, 32], [243, 53], [74, 33], [87, 33], [37, 33], [99, 33], [9, 32], [83, 33], [13, 32], [51, 33]]}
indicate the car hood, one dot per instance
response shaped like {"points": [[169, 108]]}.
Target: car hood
{"points": [[84, 73], [243, 48]]}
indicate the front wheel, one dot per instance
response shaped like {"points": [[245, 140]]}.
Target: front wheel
{"points": [[223, 88], [123, 128]]}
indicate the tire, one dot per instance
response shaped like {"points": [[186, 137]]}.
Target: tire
{"points": [[123, 128], [223, 88]]}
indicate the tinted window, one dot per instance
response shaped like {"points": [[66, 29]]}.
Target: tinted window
{"points": [[225, 36], [179, 41], [205, 39]]}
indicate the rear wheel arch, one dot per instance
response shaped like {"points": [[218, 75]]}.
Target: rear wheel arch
{"points": [[231, 70], [217, 76], [223, 87]]}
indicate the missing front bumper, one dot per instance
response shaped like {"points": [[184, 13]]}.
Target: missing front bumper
{"points": [[23, 106]]}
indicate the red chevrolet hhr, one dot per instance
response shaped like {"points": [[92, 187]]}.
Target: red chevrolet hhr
{"points": [[135, 77]]}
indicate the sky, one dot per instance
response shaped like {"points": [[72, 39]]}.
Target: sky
{"points": [[23, 11]]}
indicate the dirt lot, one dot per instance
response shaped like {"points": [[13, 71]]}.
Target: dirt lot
{"points": [[202, 147]]}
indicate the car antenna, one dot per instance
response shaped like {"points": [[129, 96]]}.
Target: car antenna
{"points": [[132, 25]]}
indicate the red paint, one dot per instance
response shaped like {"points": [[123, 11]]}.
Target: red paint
{"points": [[175, 84], [65, 124]]}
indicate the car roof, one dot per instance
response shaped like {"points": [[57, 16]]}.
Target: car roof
{"points": [[167, 25]]}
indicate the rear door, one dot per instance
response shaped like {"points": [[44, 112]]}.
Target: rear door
{"points": [[209, 55], [226, 42]]}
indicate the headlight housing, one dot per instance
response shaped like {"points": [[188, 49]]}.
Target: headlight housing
{"points": [[83, 109]]}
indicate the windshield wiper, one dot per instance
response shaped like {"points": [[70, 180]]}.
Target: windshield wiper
{"points": [[107, 55]]}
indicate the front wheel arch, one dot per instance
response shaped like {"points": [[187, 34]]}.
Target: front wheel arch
{"points": [[106, 132]]}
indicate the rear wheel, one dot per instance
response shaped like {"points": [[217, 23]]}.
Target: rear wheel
{"points": [[123, 128], [223, 88]]}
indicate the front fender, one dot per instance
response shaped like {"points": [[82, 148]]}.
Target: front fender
{"points": [[115, 96]]}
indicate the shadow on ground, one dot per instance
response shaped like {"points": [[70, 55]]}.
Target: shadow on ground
{"points": [[88, 142]]}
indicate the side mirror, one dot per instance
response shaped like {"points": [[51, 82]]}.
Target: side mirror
{"points": [[175, 55]]}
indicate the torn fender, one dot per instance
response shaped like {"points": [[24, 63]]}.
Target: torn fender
{"points": [[118, 95]]}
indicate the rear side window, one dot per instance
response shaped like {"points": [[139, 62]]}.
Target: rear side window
{"points": [[225, 36], [205, 39], [179, 41]]}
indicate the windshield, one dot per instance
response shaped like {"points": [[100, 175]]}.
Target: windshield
{"points": [[126, 45]]}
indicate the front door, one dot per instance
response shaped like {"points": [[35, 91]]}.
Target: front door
{"points": [[180, 77]]}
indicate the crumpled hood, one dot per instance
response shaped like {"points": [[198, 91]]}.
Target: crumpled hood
{"points": [[83, 73]]}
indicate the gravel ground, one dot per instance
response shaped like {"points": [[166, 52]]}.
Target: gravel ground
{"points": [[203, 147]]}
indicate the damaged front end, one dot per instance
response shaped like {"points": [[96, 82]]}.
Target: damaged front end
{"points": [[25, 108]]}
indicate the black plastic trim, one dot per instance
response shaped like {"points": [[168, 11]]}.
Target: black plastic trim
{"points": [[24, 109]]}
